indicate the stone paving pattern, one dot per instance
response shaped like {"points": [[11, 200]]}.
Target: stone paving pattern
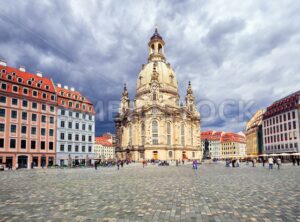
{"points": [[213, 193]]}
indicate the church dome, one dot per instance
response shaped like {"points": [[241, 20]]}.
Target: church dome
{"points": [[157, 63], [166, 77]]}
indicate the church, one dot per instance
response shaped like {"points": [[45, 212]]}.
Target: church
{"points": [[156, 125]]}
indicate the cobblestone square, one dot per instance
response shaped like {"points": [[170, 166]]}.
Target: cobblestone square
{"points": [[212, 193]]}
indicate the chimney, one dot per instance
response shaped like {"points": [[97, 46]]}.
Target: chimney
{"points": [[72, 89], [22, 69], [39, 74], [66, 87], [2, 62], [59, 85]]}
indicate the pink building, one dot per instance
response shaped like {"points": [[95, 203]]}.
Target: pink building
{"points": [[27, 118]]}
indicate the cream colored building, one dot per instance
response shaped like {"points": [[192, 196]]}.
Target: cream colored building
{"points": [[104, 148], [254, 137], [157, 125], [233, 145]]}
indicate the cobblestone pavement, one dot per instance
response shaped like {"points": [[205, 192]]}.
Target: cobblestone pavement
{"points": [[213, 193]]}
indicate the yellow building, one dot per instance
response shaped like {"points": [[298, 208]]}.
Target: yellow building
{"points": [[156, 125], [254, 143]]}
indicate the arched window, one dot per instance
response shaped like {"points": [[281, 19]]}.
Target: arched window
{"points": [[182, 134], [170, 154], [130, 134], [192, 139], [143, 133], [159, 48], [154, 132], [169, 133], [154, 96]]}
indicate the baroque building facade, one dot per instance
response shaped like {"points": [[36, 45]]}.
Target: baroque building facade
{"points": [[156, 125]]}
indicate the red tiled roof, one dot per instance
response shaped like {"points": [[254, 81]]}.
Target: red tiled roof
{"points": [[27, 80], [233, 137], [285, 104], [103, 140], [66, 95], [222, 136]]}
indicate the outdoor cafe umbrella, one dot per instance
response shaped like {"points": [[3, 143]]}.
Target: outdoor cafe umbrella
{"points": [[263, 155], [284, 154]]}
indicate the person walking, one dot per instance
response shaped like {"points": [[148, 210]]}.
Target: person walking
{"points": [[294, 161], [177, 163], [298, 161], [270, 161], [118, 164], [278, 161], [95, 165]]}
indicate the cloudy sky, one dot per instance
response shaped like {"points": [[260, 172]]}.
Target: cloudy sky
{"points": [[239, 55]]}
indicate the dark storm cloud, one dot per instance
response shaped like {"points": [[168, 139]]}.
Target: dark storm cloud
{"points": [[231, 52]]}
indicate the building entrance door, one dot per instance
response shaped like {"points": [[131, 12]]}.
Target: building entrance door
{"points": [[35, 161], [155, 155], [184, 155], [43, 161], [22, 161]]}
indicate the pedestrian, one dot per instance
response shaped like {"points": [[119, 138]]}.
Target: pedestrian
{"points": [[118, 164], [270, 161], [182, 161], [253, 162], [278, 161], [177, 163], [95, 165], [294, 160], [237, 163], [122, 163], [263, 161], [298, 161]]}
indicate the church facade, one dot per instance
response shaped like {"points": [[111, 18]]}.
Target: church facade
{"points": [[156, 125]]}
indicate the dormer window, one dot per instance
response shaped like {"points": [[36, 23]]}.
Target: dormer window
{"points": [[44, 96], [76, 97], [47, 87], [52, 97], [29, 82], [69, 95], [38, 85], [14, 74], [9, 77], [3, 71], [20, 80], [61, 93]]}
